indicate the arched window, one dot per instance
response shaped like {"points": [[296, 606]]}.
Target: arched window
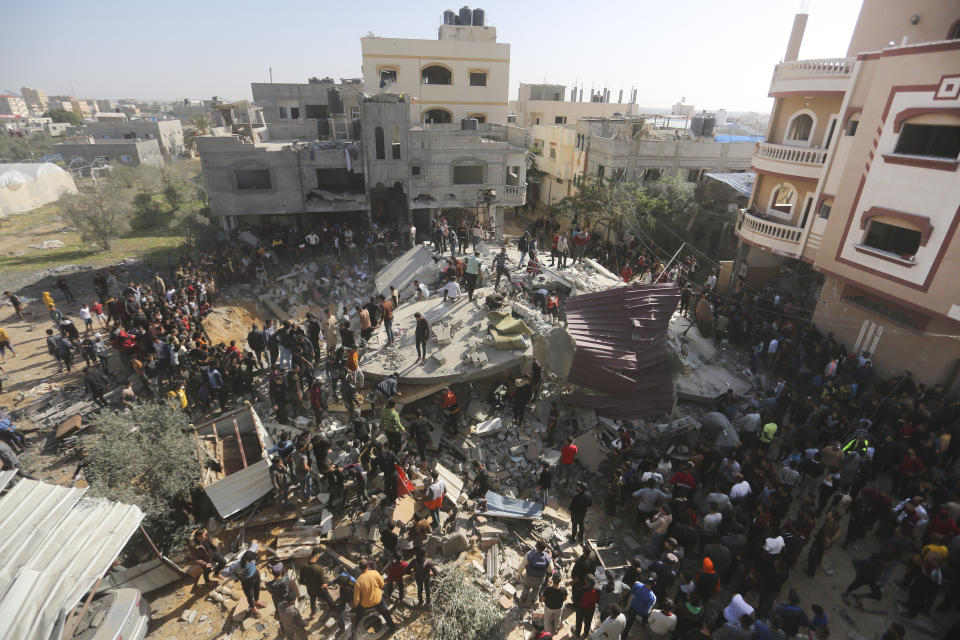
{"points": [[436, 74], [954, 32], [782, 200], [381, 149], [800, 128], [437, 116]]}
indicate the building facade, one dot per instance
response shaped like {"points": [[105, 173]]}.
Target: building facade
{"points": [[547, 104], [11, 105], [464, 73], [169, 133], [318, 108], [36, 99], [127, 153], [859, 178]]}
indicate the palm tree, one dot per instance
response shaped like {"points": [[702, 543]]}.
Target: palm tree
{"points": [[201, 126]]}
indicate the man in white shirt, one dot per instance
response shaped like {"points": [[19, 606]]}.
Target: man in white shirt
{"points": [[711, 282], [662, 621], [422, 291], [451, 289], [612, 626], [740, 490]]}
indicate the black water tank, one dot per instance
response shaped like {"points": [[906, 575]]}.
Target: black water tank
{"points": [[466, 16], [469, 124], [708, 123], [449, 17], [478, 17], [334, 100]]}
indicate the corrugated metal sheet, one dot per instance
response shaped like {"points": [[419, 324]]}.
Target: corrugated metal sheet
{"points": [[6, 477], [620, 335], [742, 183], [241, 489], [146, 576], [55, 543]]}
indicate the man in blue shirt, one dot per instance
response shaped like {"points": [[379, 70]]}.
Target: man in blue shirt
{"points": [[642, 600]]}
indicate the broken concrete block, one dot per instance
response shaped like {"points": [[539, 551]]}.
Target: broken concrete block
{"points": [[342, 532], [326, 522], [506, 602], [189, 616], [455, 543]]}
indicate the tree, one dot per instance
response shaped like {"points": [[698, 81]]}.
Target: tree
{"points": [[201, 126], [101, 214], [144, 457], [462, 610], [62, 115], [31, 148]]}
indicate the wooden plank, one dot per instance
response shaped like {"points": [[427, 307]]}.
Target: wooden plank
{"points": [[404, 509], [71, 424], [452, 480]]}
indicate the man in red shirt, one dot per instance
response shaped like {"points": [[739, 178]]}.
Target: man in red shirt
{"points": [[387, 307], [395, 573], [567, 455]]}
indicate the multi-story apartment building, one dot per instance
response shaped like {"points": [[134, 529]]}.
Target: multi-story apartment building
{"points": [[169, 133], [36, 99], [319, 108], [11, 105], [464, 73], [859, 178], [546, 104], [391, 170]]}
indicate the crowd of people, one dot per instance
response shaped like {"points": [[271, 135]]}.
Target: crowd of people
{"points": [[828, 456]]}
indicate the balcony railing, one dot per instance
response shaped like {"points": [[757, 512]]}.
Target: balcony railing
{"points": [[773, 230], [785, 153], [829, 67], [515, 195]]}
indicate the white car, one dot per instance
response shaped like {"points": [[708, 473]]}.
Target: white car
{"points": [[117, 614]]}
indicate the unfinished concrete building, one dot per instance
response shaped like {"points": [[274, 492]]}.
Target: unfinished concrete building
{"points": [[471, 166], [257, 182], [239, 119], [168, 133], [317, 109], [126, 153], [631, 149]]}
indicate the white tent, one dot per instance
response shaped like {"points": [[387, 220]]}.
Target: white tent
{"points": [[26, 186]]}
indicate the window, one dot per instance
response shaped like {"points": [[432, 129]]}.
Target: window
{"points": [[553, 153], [414, 170], [652, 174], [954, 33], [800, 129], [478, 78], [355, 111], [560, 120], [479, 117], [825, 209], [294, 113], [436, 74], [934, 140], [252, 179], [851, 129], [378, 141], [830, 130], [600, 170], [438, 116], [387, 76], [693, 175], [782, 201], [469, 174], [284, 113], [315, 111], [892, 239], [395, 147]]}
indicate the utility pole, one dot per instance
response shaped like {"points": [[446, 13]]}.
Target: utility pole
{"points": [[271, 74]]}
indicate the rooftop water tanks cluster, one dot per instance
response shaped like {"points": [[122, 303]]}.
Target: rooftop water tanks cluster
{"points": [[466, 17]]}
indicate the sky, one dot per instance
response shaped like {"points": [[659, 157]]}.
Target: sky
{"points": [[715, 54]]}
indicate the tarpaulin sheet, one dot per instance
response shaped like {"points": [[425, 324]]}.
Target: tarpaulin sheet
{"points": [[500, 506], [508, 342], [506, 324]]}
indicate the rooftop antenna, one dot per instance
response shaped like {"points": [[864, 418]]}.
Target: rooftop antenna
{"points": [[271, 74]]}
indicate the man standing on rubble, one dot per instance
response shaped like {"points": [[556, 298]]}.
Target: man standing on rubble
{"points": [[472, 272], [448, 401], [392, 426], [421, 334], [368, 595], [387, 307], [500, 266], [579, 506], [535, 566], [567, 456], [433, 499]]}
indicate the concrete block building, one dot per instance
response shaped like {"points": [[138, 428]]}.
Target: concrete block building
{"points": [[128, 153], [547, 104], [858, 178], [464, 73], [11, 105], [35, 99], [168, 133], [316, 109]]}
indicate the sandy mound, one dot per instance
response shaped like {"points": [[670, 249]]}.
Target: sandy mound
{"points": [[231, 320]]}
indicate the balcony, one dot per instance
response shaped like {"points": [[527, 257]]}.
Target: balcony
{"points": [[812, 76], [782, 239], [803, 162], [513, 196]]}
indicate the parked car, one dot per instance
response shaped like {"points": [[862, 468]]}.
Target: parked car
{"points": [[120, 613]]}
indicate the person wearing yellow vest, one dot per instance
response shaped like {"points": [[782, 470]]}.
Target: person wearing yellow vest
{"points": [[5, 344], [768, 433], [433, 499]]}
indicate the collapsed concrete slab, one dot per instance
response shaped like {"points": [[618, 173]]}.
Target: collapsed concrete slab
{"points": [[414, 264], [459, 349], [702, 369]]}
